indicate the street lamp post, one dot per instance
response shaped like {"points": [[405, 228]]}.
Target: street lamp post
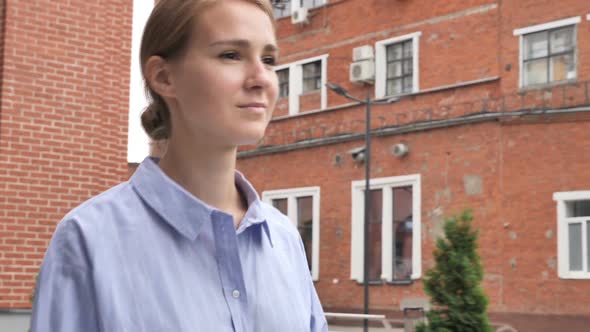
{"points": [[367, 210]]}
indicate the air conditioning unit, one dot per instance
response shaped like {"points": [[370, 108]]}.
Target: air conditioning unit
{"points": [[299, 15], [362, 53], [362, 71]]}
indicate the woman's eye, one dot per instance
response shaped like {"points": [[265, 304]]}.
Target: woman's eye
{"points": [[230, 55], [269, 60]]}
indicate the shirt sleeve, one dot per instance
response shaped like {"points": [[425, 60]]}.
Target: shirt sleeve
{"points": [[64, 297]]}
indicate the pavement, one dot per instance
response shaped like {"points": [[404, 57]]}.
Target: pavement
{"points": [[19, 322], [336, 328], [14, 322]]}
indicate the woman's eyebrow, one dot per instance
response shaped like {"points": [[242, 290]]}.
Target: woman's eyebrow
{"points": [[242, 43]]}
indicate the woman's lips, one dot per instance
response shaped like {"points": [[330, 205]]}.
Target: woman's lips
{"points": [[253, 107]]}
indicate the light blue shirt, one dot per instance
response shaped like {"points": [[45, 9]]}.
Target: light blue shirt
{"points": [[147, 255]]}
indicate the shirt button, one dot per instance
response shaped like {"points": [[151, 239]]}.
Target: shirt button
{"points": [[235, 294]]}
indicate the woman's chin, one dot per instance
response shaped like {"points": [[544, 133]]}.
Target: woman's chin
{"points": [[248, 136], [248, 139]]}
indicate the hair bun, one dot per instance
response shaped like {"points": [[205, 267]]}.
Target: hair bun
{"points": [[156, 121]]}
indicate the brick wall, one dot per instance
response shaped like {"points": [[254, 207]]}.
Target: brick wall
{"points": [[63, 129], [520, 162], [2, 22], [513, 162], [310, 101], [518, 14], [282, 107], [63, 122]]}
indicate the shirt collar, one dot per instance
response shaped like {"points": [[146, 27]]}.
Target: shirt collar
{"points": [[255, 214], [182, 210]]}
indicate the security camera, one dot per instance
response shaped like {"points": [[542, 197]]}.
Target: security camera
{"points": [[399, 150], [358, 154]]}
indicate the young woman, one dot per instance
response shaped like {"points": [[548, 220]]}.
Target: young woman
{"points": [[186, 244]]}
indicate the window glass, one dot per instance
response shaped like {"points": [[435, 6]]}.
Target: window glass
{"points": [[283, 76], [549, 56], [535, 45], [576, 209], [281, 205], [402, 232], [575, 246], [312, 76], [535, 72], [394, 52], [562, 67], [394, 86], [312, 3], [305, 223], [562, 40], [588, 246], [399, 71], [375, 231], [282, 8], [407, 47], [394, 69], [407, 84]]}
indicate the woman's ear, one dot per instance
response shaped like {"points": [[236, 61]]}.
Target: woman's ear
{"points": [[159, 76]]}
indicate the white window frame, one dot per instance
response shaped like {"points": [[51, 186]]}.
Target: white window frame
{"points": [[357, 227], [138, 146], [562, 198], [521, 32], [296, 81], [296, 4], [381, 62], [287, 13], [291, 195]]}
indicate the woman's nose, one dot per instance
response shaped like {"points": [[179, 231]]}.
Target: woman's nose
{"points": [[260, 75]]}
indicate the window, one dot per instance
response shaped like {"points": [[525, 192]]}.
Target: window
{"points": [[375, 226], [302, 206], [312, 3], [548, 52], [312, 76], [301, 77], [282, 8], [400, 76], [549, 56], [394, 229], [283, 82], [396, 63], [573, 234]]}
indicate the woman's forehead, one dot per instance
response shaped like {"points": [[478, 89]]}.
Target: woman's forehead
{"points": [[234, 20]]}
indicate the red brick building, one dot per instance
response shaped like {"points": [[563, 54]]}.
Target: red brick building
{"points": [[64, 104], [493, 110]]}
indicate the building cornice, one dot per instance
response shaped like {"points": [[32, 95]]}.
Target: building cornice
{"points": [[409, 128]]}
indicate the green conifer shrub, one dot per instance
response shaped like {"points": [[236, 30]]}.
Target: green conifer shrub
{"points": [[453, 284]]}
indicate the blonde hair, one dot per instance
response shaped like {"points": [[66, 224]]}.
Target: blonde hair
{"points": [[166, 34]]}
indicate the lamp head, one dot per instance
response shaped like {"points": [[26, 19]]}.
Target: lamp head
{"points": [[337, 88]]}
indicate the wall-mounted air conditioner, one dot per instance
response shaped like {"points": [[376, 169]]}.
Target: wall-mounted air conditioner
{"points": [[362, 71], [362, 53], [299, 15]]}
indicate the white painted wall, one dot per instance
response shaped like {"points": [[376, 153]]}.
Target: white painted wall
{"points": [[138, 141]]}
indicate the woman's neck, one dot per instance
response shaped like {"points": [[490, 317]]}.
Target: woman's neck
{"points": [[208, 173]]}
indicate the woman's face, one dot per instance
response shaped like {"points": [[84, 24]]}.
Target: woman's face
{"points": [[224, 85]]}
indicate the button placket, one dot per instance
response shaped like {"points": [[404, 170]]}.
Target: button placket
{"points": [[230, 268]]}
